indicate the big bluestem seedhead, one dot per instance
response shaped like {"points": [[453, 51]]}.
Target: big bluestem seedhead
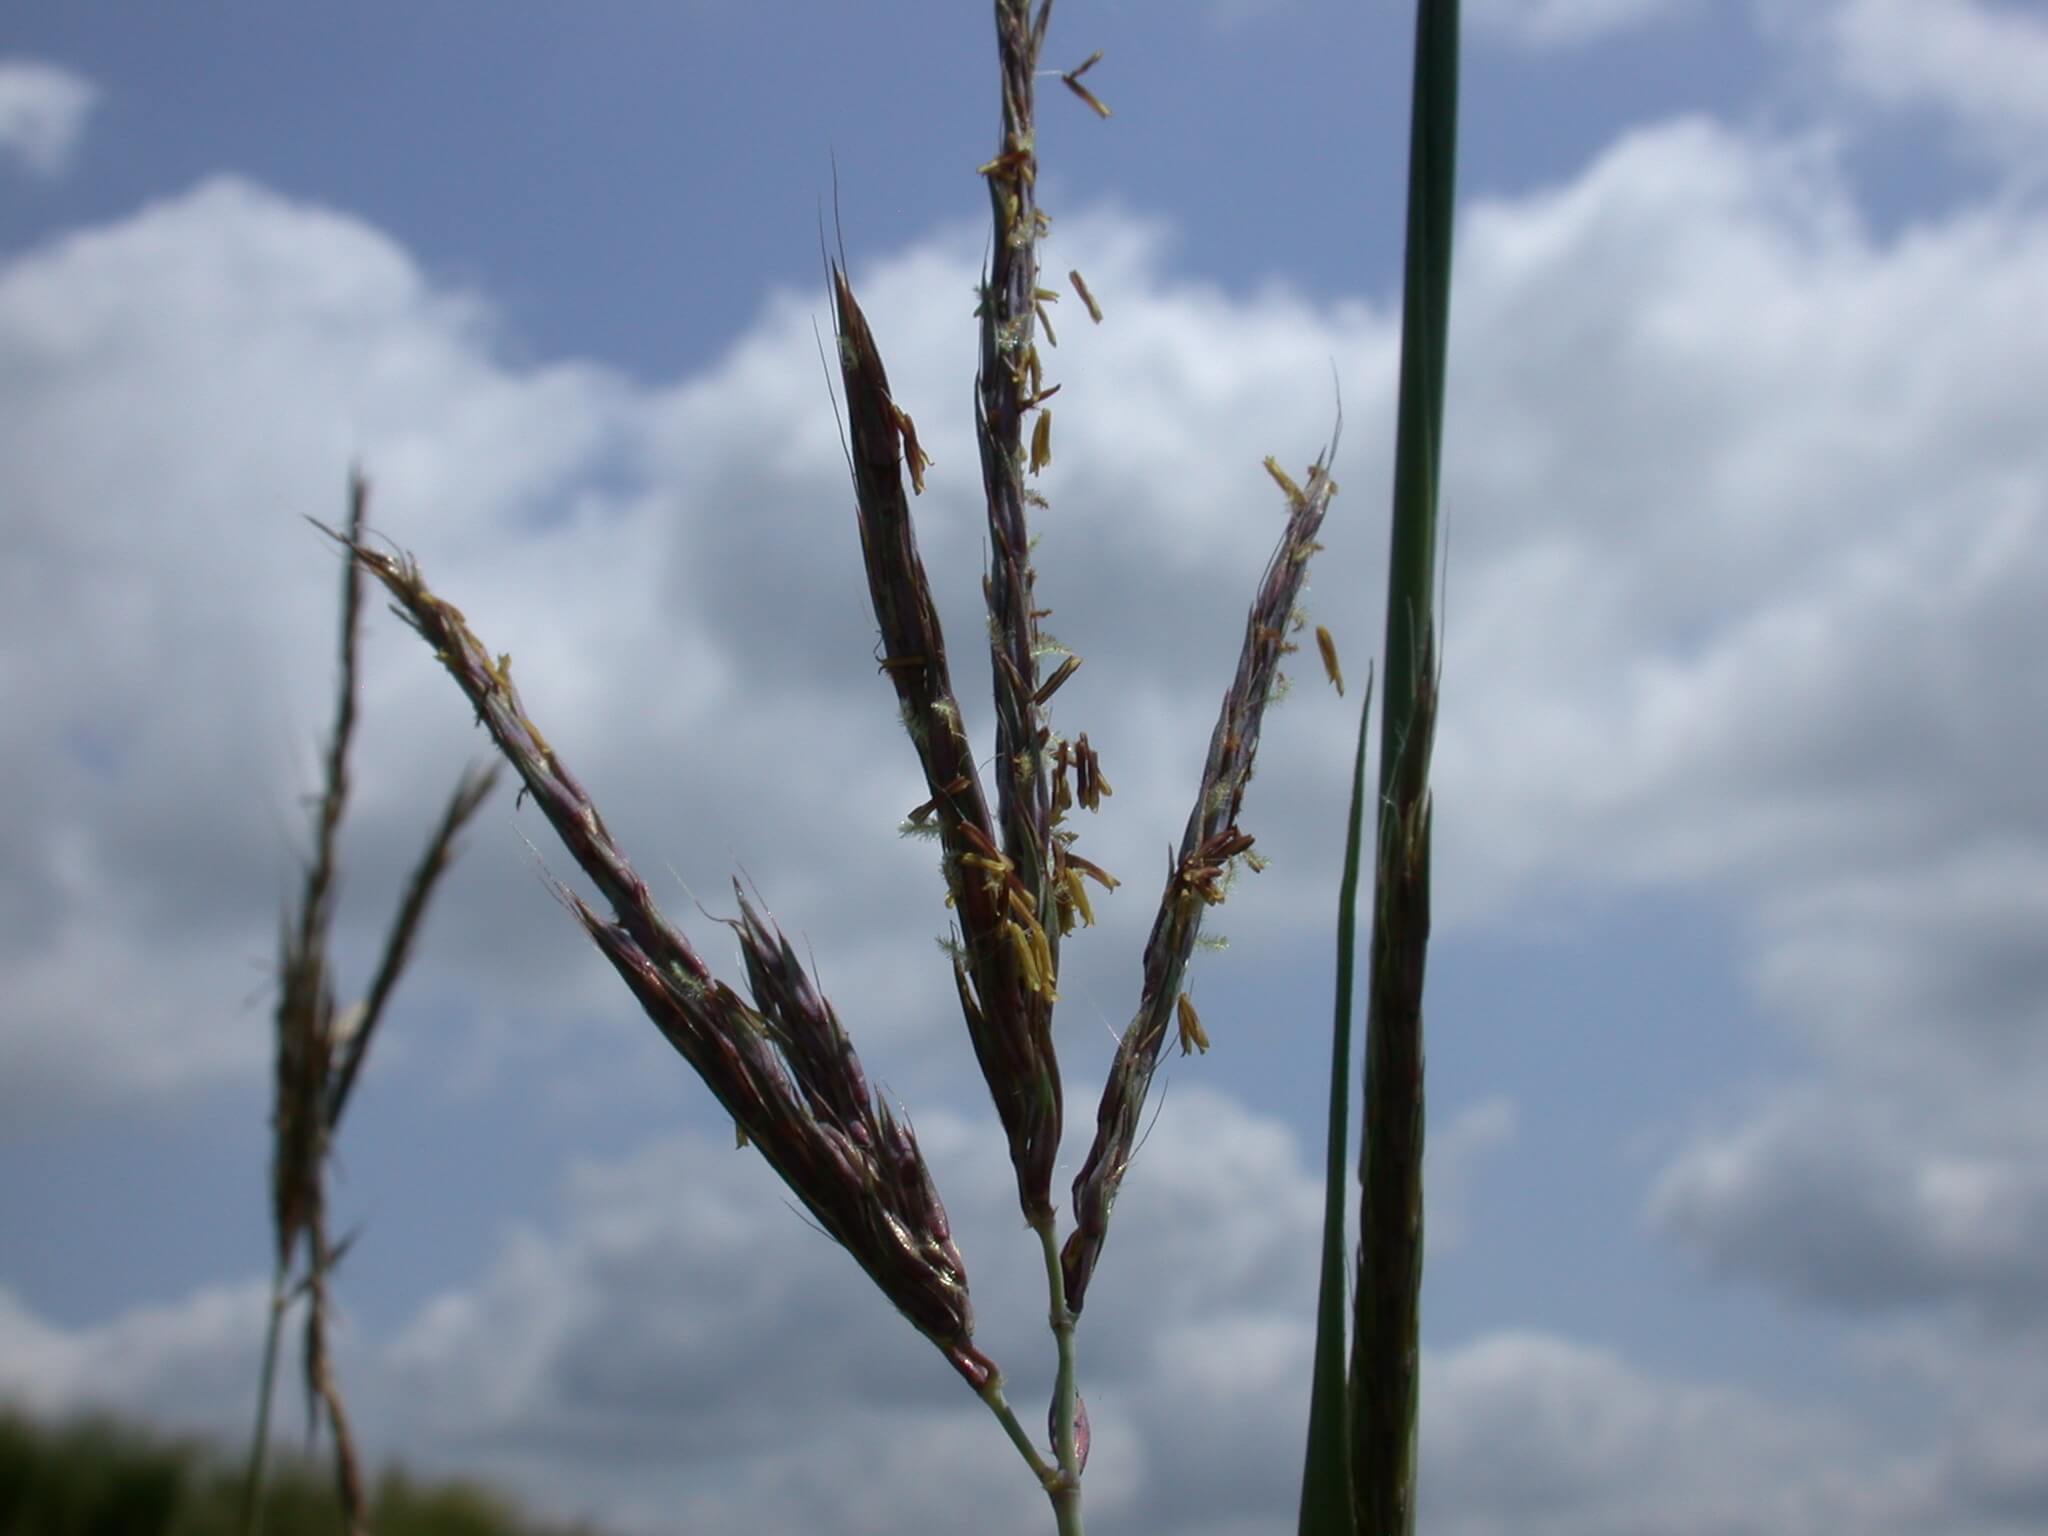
{"points": [[784, 1069]]}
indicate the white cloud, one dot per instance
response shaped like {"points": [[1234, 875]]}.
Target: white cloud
{"points": [[1530, 1433], [1743, 523], [675, 571], [1747, 512], [1982, 63], [186, 384], [1983, 1468], [43, 109], [1750, 509], [1911, 1172], [1862, 1205], [190, 1363]]}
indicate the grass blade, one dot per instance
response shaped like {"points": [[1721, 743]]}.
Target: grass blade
{"points": [[1386, 1341], [1326, 1471]]}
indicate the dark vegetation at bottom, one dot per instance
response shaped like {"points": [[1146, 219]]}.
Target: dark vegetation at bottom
{"points": [[99, 1477]]}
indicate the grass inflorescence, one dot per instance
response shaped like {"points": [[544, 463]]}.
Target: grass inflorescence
{"points": [[778, 1059]]}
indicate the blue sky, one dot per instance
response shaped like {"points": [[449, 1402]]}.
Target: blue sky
{"points": [[1739, 1187]]}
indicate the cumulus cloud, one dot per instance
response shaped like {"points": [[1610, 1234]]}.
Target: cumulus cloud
{"points": [[43, 109], [189, 1363], [1759, 600], [1532, 1433], [1980, 62], [1854, 1204], [1785, 593], [1982, 1467], [674, 570], [1789, 600], [189, 382]]}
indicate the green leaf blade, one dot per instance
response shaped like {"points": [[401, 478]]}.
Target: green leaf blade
{"points": [[1386, 1333], [1326, 1499]]}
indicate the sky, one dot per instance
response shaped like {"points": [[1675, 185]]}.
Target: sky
{"points": [[1738, 1000]]}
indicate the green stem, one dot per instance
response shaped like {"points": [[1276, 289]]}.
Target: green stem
{"points": [[999, 1405], [259, 1442], [1065, 1490], [1386, 1332]]}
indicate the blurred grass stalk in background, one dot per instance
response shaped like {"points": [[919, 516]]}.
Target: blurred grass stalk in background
{"points": [[1359, 1472], [320, 1050]]}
